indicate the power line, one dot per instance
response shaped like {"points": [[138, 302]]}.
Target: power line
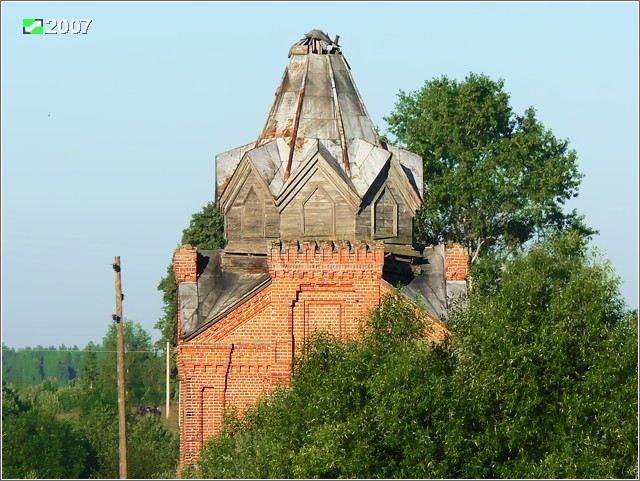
{"points": [[7, 349]]}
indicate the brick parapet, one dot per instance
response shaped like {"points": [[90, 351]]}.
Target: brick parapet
{"points": [[456, 262], [185, 264], [324, 259]]}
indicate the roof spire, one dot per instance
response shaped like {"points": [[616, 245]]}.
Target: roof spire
{"points": [[316, 41]]}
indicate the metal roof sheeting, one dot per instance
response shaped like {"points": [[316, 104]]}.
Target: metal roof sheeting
{"points": [[317, 100]]}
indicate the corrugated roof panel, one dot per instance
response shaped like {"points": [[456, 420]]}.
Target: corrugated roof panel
{"points": [[334, 147], [296, 68], [358, 127], [226, 163], [314, 107], [334, 115], [318, 80], [366, 163], [358, 151], [343, 81], [287, 103], [318, 128], [266, 161], [350, 104], [279, 126]]}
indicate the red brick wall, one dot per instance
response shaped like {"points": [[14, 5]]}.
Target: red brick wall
{"points": [[456, 262], [316, 286], [230, 365], [242, 356]]}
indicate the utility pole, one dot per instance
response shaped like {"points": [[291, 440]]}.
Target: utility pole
{"points": [[168, 401], [121, 407]]}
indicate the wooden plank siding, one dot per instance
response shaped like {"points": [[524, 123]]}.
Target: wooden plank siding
{"points": [[319, 211], [252, 217]]}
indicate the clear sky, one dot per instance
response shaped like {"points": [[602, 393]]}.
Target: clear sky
{"points": [[109, 138]]}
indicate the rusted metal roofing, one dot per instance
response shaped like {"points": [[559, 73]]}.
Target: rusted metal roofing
{"points": [[423, 280], [219, 290], [318, 104]]}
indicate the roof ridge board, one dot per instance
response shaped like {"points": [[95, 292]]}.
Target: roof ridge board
{"points": [[338, 113], [296, 125], [239, 175], [296, 173], [227, 156]]}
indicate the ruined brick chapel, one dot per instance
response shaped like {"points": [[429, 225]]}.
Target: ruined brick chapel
{"points": [[318, 215]]}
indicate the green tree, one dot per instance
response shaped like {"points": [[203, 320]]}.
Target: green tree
{"points": [[152, 451], [37, 445], [144, 371], [492, 179], [546, 371], [99, 424], [70, 430], [29, 367], [538, 380], [89, 366]]}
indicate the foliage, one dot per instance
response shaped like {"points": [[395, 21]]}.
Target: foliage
{"points": [[89, 366], [144, 369], [538, 380], [492, 179], [205, 231], [348, 412], [152, 451], [99, 424], [36, 445], [546, 370], [70, 430]]}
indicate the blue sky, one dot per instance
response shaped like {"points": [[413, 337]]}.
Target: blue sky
{"points": [[109, 138]]}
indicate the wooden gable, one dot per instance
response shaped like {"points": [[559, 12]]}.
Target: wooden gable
{"points": [[249, 210], [388, 208], [318, 202]]}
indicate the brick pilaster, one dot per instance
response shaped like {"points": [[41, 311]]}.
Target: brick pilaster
{"points": [[456, 262], [185, 264]]}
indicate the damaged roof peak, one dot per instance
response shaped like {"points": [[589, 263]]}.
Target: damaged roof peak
{"points": [[316, 41]]}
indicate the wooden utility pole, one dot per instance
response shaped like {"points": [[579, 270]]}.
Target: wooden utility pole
{"points": [[168, 398], [121, 407]]}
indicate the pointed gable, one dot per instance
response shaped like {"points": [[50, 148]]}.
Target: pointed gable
{"points": [[317, 133]]}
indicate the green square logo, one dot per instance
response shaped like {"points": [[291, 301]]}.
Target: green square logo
{"points": [[32, 26]]}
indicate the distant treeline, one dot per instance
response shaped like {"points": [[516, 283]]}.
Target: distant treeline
{"points": [[31, 366]]}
